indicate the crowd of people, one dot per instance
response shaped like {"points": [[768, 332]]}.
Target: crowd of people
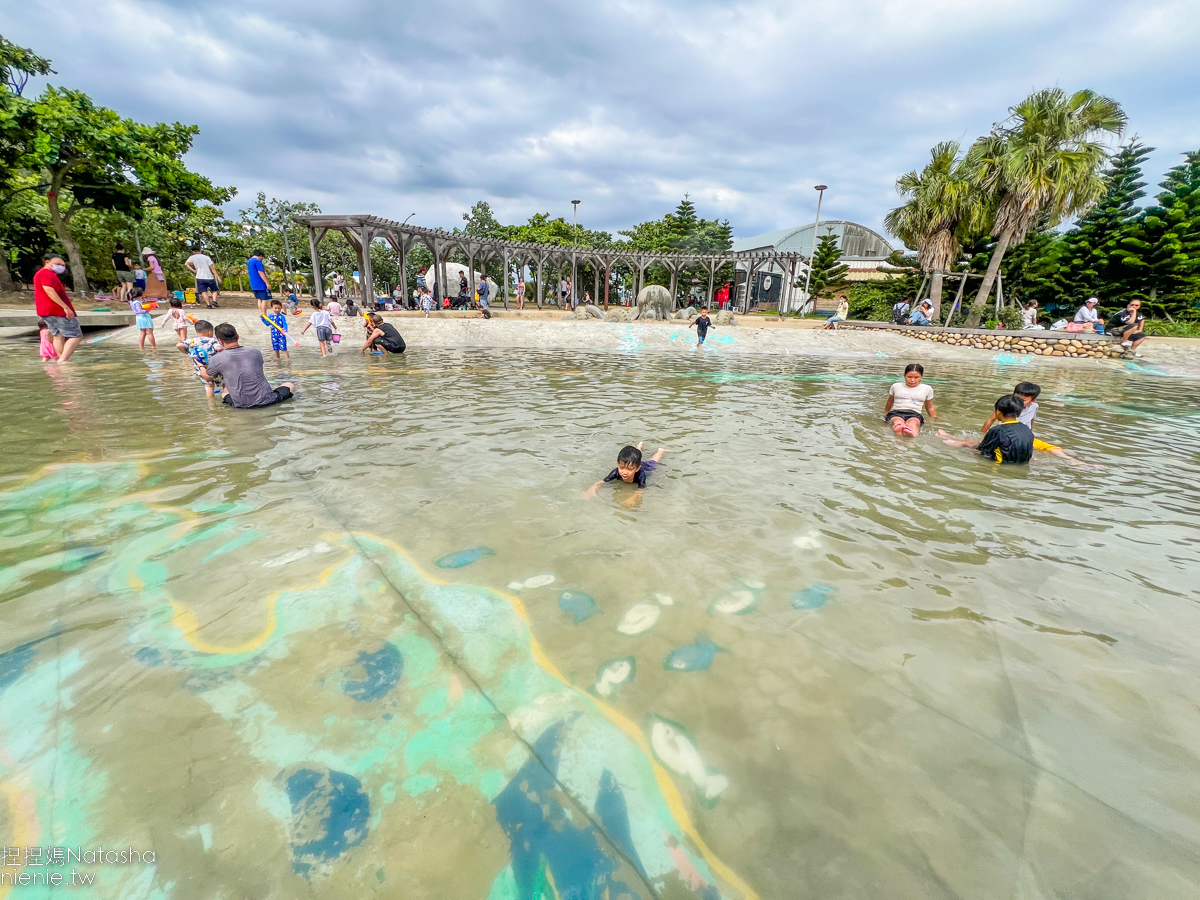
{"points": [[1126, 324]]}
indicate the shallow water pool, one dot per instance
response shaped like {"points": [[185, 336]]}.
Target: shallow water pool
{"points": [[375, 642]]}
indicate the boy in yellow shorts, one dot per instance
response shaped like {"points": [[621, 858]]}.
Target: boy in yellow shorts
{"points": [[1027, 392]]}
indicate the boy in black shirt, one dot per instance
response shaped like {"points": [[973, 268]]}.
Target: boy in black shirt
{"points": [[702, 323], [1010, 441], [631, 469]]}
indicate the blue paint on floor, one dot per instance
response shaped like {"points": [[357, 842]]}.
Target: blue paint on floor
{"points": [[812, 597], [464, 557], [330, 811], [697, 657], [150, 657], [582, 606], [543, 835], [382, 671], [14, 662], [614, 818]]}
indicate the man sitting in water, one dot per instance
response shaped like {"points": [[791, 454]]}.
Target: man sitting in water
{"points": [[631, 469], [382, 335], [241, 368], [1010, 441]]}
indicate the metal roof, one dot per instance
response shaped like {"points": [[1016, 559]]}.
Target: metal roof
{"points": [[856, 241]]}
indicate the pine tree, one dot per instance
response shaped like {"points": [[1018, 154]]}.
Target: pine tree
{"points": [[1165, 250], [1095, 260], [827, 269]]}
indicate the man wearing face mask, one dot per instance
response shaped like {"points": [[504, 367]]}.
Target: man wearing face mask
{"points": [[51, 303]]}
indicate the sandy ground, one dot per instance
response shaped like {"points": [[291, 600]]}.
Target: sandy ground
{"points": [[551, 331]]}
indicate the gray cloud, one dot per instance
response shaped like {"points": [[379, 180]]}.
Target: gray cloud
{"points": [[367, 106]]}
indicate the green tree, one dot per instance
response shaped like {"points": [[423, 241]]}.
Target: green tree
{"points": [[942, 205], [481, 222], [18, 65], [264, 225], [1095, 259], [17, 131], [827, 269], [1044, 161], [1165, 251], [90, 157], [680, 231]]}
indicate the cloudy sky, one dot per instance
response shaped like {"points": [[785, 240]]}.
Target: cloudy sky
{"points": [[401, 107]]}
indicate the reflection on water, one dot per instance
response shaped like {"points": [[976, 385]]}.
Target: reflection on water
{"points": [[377, 642]]}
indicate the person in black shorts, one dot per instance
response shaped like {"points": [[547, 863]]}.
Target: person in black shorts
{"points": [[1128, 326], [1008, 441], [123, 266], [383, 336], [702, 323]]}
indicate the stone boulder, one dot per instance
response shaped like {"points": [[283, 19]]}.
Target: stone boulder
{"points": [[495, 296], [655, 302], [724, 317]]}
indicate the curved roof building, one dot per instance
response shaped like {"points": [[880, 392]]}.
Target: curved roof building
{"points": [[863, 249]]}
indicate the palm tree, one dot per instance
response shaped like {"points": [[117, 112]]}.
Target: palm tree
{"points": [[1045, 160], [942, 205]]}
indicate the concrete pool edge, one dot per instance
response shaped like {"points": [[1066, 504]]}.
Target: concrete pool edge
{"points": [[743, 339]]}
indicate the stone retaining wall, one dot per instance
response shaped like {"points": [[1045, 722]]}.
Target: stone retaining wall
{"points": [[1042, 343]]}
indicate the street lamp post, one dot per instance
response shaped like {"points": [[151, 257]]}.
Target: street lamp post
{"points": [[285, 213], [574, 250], [820, 189]]}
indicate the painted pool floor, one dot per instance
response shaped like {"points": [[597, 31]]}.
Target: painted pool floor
{"points": [[380, 644]]}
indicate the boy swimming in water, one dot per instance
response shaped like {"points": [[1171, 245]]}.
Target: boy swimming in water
{"points": [[631, 469], [1009, 441], [905, 401]]}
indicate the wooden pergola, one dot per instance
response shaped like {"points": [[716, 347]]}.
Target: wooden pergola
{"points": [[360, 231]]}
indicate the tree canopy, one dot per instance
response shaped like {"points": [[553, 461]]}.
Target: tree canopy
{"points": [[1044, 161]]}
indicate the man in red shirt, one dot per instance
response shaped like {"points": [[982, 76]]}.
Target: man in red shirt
{"points": [[50, 301]]}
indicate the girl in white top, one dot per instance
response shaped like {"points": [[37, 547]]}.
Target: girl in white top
{"points": [[320, 320], [520, 293], [178, 319], [906, 400]]}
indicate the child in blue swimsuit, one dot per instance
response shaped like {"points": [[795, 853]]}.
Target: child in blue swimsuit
{"points": [[278, 336]]}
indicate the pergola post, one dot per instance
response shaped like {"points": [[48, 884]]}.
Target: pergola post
{"points": [[506, 278], [365, 276], [403, 274], [607, 276], [595, 282], [443, 274], [711, 272], [471, 271], [674, 285], [318, 284], [539, 282]]}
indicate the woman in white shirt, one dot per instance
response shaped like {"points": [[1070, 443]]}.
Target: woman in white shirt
{"points": [[1088, 315], [906, 400], [1029, 315]]}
